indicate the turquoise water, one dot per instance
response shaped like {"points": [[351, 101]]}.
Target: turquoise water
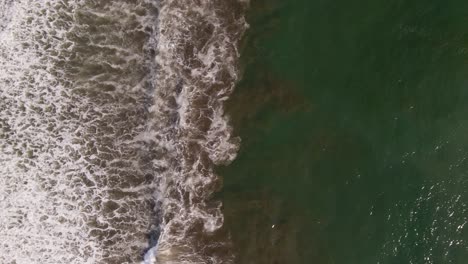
{"points": [[353, 119]]}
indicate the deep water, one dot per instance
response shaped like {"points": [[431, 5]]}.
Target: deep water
{"points": [[353, 119]]}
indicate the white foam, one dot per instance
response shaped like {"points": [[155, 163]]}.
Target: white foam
{"points": [[35, 225], [66, 154], [196, 71], [54, 187]]}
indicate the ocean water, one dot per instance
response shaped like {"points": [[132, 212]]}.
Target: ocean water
{"points": [[111, 124], [233, 131], [353, 120]]}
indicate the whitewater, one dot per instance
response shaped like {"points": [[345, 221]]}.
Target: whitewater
{"points": [[111, 126]]}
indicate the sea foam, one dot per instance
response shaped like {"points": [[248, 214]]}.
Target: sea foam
{"points": [[196, 60], [111, 123]]}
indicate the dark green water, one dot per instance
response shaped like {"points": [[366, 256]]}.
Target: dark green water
{"points": [[354, 124]]}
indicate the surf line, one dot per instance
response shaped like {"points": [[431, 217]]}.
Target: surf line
{"points": [[196, 69]]}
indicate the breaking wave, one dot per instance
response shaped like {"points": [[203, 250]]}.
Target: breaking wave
{"points": [[111, 123], [196, 72]]}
